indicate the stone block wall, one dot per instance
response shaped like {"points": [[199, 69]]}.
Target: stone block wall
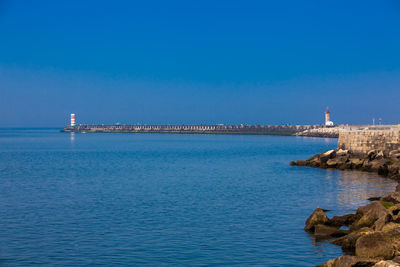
{"points": [[364, 140]]}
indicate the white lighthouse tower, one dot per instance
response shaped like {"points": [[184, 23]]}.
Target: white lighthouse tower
{"points": [[73, 119], [328, 121]]}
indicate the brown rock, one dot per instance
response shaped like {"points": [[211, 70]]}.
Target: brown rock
{"points": [[349, 261], [348, 242], [393, 197], [341, 152], [382, 221], [396, 259], [317, 217], [376, 245], [337, 162], [380, 155], [377, 164], [386, 264], [390, 227], [332, 163], [301, 163], [323, 231], [356, 163], [324, 157], [338, 221], [398, 188], [369, 215], [393, 152]]}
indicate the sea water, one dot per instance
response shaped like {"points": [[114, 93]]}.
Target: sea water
{"points": [[164, 199]]}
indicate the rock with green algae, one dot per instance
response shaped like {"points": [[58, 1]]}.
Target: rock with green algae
{"points": [[369, 214]]}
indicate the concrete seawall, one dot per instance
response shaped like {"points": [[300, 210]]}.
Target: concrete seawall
{"points": [[363, 140]]}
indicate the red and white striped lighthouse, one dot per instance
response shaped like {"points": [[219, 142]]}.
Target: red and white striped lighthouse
{"points": [[72, 119]]}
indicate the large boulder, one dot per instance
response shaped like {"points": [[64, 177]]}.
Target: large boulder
{"points": [[382, 221], [378, 164], [317, 217], [349, 261], [314, 161], [348, 242], [337, 162], [324, 157], [342, 152], [391, 227], [325, 231], [356, 163], [369, 215], [377, 245]]}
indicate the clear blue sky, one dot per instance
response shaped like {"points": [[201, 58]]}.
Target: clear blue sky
{"points": [[265, 62]]}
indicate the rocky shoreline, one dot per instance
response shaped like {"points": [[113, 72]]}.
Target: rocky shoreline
{"points": [[373, 161], [371, 236]]}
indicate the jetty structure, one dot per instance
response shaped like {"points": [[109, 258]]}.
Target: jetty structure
{"points": [[372, 233], [300, 130]]}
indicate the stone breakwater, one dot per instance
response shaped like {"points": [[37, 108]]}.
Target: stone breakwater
{"points": [[372, 236], [328, 132], [317, 130]]}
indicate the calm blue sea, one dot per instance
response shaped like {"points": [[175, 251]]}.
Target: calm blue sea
{"points": [[161, 199]]}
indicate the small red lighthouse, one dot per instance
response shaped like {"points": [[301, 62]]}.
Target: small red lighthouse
{"points": [[328, 121]]}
